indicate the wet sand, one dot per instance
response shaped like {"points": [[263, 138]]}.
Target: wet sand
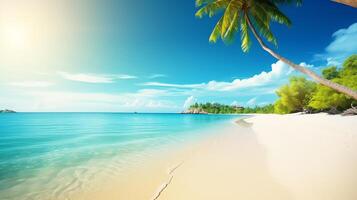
{"points": [[307, 157]]}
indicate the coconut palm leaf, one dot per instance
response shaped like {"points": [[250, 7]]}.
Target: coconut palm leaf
{"points": [[216, 33], [255, 16], [245, 35], [263, 12], [211, 7]]}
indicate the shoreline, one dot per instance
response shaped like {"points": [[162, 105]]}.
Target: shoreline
{"points": [[273, 166], [268, 156], [307, 157], [145, 181], [150, 176]]}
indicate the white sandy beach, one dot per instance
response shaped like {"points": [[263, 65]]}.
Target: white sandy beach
{"points": [[300, 157]]}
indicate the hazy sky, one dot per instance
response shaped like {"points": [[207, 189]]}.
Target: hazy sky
{"points": [[153, 56]]}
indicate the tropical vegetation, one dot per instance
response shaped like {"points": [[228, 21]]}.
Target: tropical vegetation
{"points": [[303, 95], [216, 108], [295, 96], [255, 16], [325, 98]]}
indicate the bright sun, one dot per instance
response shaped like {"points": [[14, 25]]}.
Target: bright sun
{"points": [[15, 36]]}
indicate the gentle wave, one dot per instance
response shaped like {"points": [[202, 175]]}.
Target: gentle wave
{"points": [[52, 155]]}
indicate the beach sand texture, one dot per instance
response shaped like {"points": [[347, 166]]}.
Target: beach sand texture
{"points": [[307, 157]]}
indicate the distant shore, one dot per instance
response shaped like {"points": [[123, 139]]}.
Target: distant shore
{"points": [[307, 157], [7, 111]]}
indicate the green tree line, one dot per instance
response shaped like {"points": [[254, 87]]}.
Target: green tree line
{"points": [[217, 108], [301, 94]]}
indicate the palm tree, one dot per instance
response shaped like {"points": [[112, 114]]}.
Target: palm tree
{"points": [[255, 16], [352, 3]]}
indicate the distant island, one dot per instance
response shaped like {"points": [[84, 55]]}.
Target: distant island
{"points": [[7, 111]]}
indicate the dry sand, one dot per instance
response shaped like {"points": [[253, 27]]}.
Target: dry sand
{"points": [[300, 157], [279, 157]]}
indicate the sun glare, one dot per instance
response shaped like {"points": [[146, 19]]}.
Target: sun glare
{"points": [[15, 36]]}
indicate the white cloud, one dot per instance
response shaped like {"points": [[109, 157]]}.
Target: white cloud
{"points": [[333, 62], [123, 76], [151, 92], [189, 86], [278, 70], [87, 78], [189, 101], [139, 103], [344, 40], [94, 78], [252, 101], [343, 45], [157, 76], [31, 84], [142, 100], [304, 64]]}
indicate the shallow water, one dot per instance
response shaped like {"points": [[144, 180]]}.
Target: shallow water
{"points": [[48, 155]]}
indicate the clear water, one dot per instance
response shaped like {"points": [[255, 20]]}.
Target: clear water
{"points": [[41, 151]]}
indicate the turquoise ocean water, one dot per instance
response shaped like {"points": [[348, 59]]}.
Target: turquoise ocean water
{"points": [[46, 155]]}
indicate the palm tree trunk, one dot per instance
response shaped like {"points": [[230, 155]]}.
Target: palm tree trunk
{"points": [[313, 75], [352, 3]]}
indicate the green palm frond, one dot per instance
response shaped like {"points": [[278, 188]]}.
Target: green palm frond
{"points": [[264, 30], [262, 23], [245, 38], [228, 16], [216, 33], [211, 8], [233, 28], [236, 13], [231, 14], [274, 13], [202, 2]]}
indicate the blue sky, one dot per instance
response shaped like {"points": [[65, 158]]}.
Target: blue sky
{"points": [[152, 56]]}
